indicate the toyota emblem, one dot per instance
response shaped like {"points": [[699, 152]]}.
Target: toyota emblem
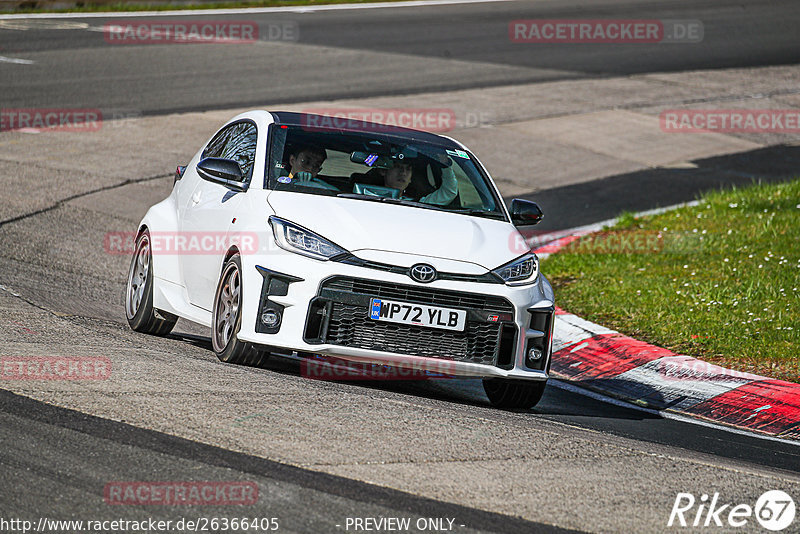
{"points": [[422, 272]]}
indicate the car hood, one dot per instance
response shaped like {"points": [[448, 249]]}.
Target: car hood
{"points": [[361, 225]]}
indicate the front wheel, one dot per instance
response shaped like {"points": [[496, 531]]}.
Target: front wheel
{"points": [[227, 318], [139, 310], [509, 394]]}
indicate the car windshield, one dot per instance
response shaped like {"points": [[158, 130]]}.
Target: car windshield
{"points": [[379, 167]]}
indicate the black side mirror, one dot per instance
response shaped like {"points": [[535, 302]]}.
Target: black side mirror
{"points": [[525, 212], [222, 171]]}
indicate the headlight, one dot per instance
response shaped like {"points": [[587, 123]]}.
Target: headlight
{"points": [[294, 238], [521, 271]]}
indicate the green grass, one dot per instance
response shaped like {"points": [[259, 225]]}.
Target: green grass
{"points": [[719, 281], [90, 7]]}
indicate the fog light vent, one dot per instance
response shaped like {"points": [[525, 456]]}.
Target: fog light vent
{"points": [[534, 354], [271, 318]]}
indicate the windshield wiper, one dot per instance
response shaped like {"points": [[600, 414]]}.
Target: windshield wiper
{"points": [[408, 202], [360, 196], [482, 213], [390, 200]]}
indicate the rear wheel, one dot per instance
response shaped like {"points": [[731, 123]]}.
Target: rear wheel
{"points": [[227, 318], [139, 294], [511, 394]]}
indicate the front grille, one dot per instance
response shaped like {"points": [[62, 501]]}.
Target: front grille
{"points": [[419, 295], [350, 326], [344, 302]]}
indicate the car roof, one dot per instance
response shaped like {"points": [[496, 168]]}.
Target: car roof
{"points": [[290, 118]]}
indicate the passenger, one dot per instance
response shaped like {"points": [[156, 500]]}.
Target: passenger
{"points": [[399, 177]]}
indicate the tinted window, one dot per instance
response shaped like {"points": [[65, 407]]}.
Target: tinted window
{"points": [[349, 162], [236, 142]]}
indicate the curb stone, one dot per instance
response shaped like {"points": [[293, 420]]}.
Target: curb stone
{"points": [[596, 358]]}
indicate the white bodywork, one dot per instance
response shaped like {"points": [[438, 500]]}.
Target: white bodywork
{"points": [[184, 284]]}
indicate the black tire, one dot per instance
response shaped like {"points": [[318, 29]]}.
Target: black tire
{"points": [[226, 320], [142, 317], [509, 394]]}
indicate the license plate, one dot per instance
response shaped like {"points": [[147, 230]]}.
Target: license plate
{"points": [[417, 314]]}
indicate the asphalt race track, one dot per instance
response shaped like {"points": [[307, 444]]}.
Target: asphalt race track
{"points": [[321, 452], [359, 53]]}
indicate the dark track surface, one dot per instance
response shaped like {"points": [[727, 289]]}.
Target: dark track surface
{"points": [[387, 51], [104, 451]]}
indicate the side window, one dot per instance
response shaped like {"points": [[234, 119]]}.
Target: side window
{"points": [[236, 142]]}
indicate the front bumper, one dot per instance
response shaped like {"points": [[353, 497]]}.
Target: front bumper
{"points": [[324, 309]]}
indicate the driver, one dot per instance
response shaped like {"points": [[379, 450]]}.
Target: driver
{"points": [[306, 162]]}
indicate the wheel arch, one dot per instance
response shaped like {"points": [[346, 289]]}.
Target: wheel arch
{"points": [[162, 219], [233, 250]]}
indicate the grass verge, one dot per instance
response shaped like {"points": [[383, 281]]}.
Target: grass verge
{"points": [[89, 7], [719, 281]]}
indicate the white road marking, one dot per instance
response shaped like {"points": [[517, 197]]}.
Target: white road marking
{"points": [[245, 11], [4, 59], [27, 24], [7, 290]]}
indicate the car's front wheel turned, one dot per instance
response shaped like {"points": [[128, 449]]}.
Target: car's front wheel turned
{"points": [[139, 310], [227, 318], [511, 394]]}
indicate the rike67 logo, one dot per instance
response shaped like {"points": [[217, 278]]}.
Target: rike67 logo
{"points": [[774, 510]]}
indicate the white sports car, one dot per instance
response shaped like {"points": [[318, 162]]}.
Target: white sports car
{"points": [[359, 241]]}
